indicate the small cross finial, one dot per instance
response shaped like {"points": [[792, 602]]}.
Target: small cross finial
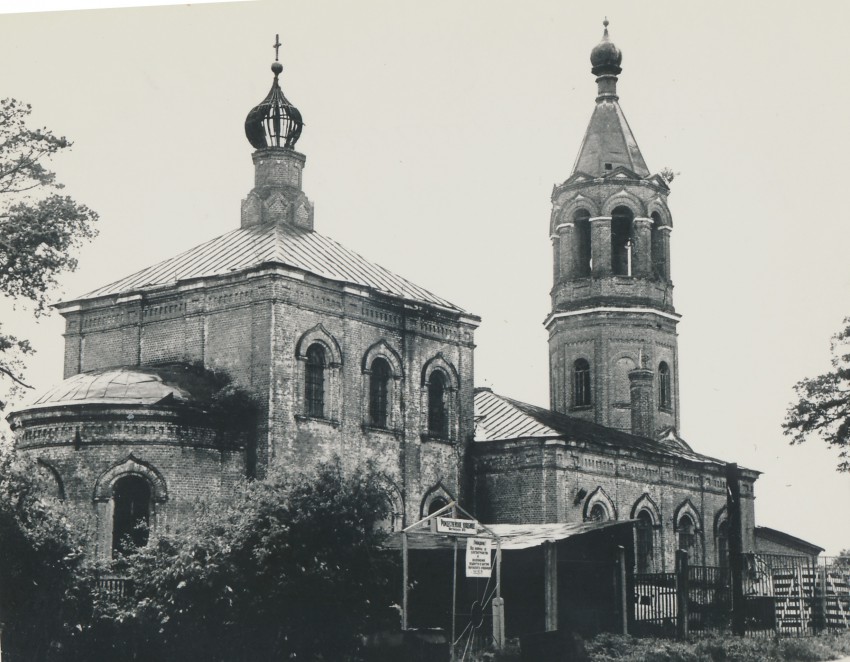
{"points": [[276, 46]]}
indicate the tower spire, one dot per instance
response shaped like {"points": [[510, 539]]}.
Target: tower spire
{"points": [[608, 141], [612, 329]]}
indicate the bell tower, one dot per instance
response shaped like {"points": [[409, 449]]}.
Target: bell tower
{"points": [[612, 297]]}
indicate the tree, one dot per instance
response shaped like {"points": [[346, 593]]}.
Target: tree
{"points": [[291, 569], [823, 403], [39, 227], [43, 581]]}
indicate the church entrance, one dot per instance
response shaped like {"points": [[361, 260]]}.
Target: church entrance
{"points": [[131, 498]]}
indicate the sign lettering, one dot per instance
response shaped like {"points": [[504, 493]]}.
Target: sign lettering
{"points": [[478, 557], [465, 527]]}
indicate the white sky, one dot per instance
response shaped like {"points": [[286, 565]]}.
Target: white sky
{"points": [[434, 133]]}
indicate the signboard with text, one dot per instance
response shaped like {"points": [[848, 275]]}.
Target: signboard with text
{"points": [[478, 558], [464, 527]]}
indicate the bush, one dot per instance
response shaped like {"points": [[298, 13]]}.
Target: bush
{"points": [[46, 586], [291, 569]]}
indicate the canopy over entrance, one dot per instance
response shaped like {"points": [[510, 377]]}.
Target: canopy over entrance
{"points": [[512, 536]]}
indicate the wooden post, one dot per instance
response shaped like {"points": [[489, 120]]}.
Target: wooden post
{"points": [[801, 603], [404, 581], [499, 602], [624, 598], [823, 614], [736, 547], [682, 593], [454, 597], [550, 587], [499, 622]]}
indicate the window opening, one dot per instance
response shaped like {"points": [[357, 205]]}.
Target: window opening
{"points": [[659, 259], [582, 237], [314, 382], [664, 390], [379, 393], [723, 544], [687, 535], [131, 497], [436, 504], [581, 383], [621, 241], [598, 513], [438, 422], [643, 542]]}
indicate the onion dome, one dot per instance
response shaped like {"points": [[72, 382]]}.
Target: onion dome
{"points": [[606, 57], [275, 122]]}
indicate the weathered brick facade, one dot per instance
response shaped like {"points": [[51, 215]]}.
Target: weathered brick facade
{"points": [[559, 480], [252, 304]]}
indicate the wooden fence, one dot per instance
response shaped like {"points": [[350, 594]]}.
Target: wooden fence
{"points": [[783, 595]]}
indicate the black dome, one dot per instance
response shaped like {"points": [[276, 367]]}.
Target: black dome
{"points": [[605, 56], [275, 122]]}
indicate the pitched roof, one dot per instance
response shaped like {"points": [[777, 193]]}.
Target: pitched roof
{"points": [[609, 139], [247, 248], [498, 418], [766, 533]]}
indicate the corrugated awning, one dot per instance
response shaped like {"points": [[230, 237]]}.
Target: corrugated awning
{"points": [[512, 536]]}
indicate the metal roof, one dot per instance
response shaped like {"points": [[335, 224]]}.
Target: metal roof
{"points": [[609, 139], [292, 247], [175, 383], [498, 418], [512, 536]]}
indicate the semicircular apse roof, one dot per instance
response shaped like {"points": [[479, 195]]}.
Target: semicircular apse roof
{"points": [[129, 386]]}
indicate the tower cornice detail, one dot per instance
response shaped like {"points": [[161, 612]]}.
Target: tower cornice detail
{"points": [[547, 323]]}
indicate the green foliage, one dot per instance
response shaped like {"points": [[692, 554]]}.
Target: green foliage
{"points": [[45, 585], [288, 570], [823, 403], [39, 227]]}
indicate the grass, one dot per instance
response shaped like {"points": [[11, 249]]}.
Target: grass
{"points": [[718, 648]]}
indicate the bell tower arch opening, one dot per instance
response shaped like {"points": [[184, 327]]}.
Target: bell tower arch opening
{"points": [[622, 241]]}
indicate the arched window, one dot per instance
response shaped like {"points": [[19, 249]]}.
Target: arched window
{"points": [[582, 245], [644, 541], [664, 391], [438, 420], [621, 241], [687, 535], [379, 393], [131, 510], [581, 383], [598, 513], [436, 504], [723, 544], [314, 381], [659, 258]]}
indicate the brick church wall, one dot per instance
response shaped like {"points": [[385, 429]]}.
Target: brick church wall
{"points": [[249, 327], [542, 481]]}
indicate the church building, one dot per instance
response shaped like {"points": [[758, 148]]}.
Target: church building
{"points": [[608, 447], [340, 356], [337, 356]]}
